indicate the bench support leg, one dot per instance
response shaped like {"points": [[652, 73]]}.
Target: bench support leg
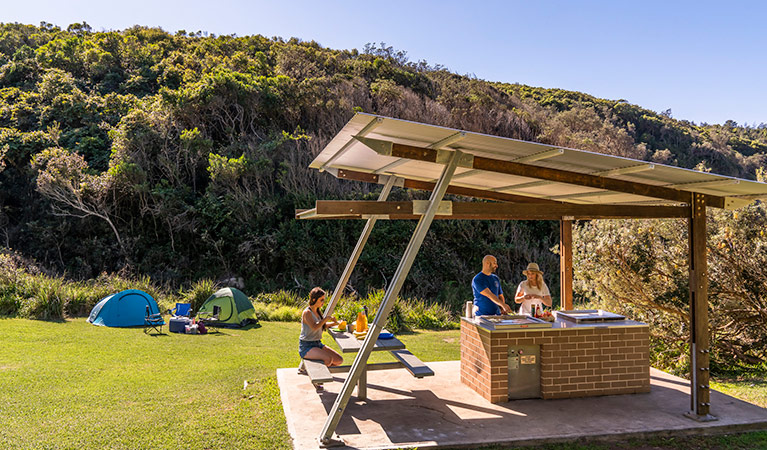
{"points": [[362, 385]]}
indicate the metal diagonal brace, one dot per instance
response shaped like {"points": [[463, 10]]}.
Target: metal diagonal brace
{"points": [[388, 301], [368, 128], [357, 251]]}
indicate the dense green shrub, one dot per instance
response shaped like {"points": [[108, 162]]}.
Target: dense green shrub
{"points": [[640, 268], [197, 294]]}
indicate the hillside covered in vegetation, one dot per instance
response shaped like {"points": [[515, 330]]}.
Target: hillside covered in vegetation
{"points": [[183, 156]]}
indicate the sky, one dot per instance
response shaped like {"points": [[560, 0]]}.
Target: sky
{"points": [[704, 60]]}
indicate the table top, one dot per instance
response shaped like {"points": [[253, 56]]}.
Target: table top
{"points": [[350, 344]]}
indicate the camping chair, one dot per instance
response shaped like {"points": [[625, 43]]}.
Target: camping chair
{"points": [[181, 310], [153, 321], [210, 320]]}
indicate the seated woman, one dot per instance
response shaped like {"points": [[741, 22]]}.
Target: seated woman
{"points": [[533, 291], [310, 344]]}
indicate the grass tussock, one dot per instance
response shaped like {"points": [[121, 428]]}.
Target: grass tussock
{"points": [[406, 314], [197, 293], [28, 293]]}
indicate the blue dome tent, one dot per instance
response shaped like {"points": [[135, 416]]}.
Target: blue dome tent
{"points": [[124, 309]]}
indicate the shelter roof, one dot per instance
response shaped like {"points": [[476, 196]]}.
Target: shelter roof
{"points": [[373, 148]]}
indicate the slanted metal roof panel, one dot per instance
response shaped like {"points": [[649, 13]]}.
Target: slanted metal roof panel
{"points": [[345, 152]]}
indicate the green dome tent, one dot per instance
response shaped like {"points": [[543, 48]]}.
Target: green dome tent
{"points": [[236, 308]]}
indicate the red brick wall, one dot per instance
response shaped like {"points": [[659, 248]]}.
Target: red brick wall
{"points": [[580, 362], [475, 360]]}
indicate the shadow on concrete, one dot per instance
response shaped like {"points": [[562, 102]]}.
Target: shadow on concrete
{"points": [[439, 411]]}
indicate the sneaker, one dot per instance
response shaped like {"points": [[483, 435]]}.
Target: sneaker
{"points": [[319, 388], [301, 371]]}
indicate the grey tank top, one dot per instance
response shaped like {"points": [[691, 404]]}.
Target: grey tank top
{"points": [[307, 334]]}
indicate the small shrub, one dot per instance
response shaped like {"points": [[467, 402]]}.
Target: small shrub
{"points": [[285, 314], [284, 298], [198, 293], [396, 322], [45, 301], [430, 316], [9, 303], [262, 310], [275, 313]]}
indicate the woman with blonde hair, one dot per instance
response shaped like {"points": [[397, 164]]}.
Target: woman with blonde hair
{"points": [[533, 291]]}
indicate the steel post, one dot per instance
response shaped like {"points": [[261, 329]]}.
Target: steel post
{"points": [[387, 303]]}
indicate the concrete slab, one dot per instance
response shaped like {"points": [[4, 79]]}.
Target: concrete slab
{"points": [[439, 411]]}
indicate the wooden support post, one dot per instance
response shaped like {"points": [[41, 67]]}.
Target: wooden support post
{"points": [[358, 366], [699, 333], [566, 264]]}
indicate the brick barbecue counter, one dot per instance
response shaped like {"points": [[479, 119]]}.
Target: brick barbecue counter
{"points": [[576, 360]]}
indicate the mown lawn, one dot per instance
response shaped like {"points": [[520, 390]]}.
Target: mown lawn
{"points": [[74, 385], [66, 385]]}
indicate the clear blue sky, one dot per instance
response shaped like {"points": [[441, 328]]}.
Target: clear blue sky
{"points": [[704, 60]]}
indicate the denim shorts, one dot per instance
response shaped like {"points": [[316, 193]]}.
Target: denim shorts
{"points": [[305, 346]]}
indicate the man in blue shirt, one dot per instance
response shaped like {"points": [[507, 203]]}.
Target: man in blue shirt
{"points": [[488, 295]]}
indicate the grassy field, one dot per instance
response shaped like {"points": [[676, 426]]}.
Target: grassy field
{"points": [[73, 385]]}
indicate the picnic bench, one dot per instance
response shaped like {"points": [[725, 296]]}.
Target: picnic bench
{"points": [[319, 373], [317, 370]]}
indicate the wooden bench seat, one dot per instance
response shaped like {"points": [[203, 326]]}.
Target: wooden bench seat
{"points": [[411, 362], [317, 370]]}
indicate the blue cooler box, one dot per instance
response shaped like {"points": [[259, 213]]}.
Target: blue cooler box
{"points": [[178, 324]]}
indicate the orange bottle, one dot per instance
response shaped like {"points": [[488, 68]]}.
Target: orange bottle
{"points": [[362, 321]]}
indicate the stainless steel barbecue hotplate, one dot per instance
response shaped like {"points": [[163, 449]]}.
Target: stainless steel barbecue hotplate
{"points": [[589, 315], [511, 321]]}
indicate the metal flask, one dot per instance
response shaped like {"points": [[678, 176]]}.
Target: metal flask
{"points": [[469, 310]]}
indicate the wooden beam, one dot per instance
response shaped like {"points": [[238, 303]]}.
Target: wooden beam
{"points": [[545, 173], [566, 264], [699, 334], [603, 173], [363, 207], [455, 190], [353, 175], [497, 211]]}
